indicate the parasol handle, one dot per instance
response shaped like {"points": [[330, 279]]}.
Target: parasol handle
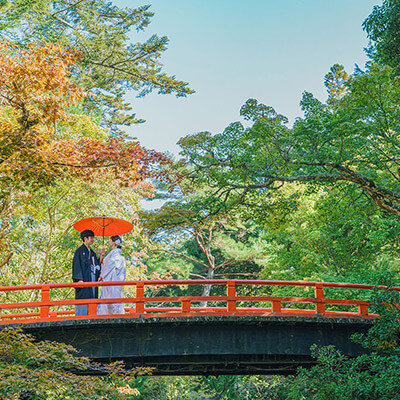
{"points": [[103, 229]]}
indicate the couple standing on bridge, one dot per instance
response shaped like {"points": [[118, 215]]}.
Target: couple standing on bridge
{"points": [[87, 267]]}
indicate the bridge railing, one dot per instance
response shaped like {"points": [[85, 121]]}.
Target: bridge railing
{"points": [[231, 303]]}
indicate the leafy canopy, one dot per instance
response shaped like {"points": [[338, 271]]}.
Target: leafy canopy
{"points": [[38, 370], [45, 140], [35, 97], [110, 63], [353, 139], [383, 27]]}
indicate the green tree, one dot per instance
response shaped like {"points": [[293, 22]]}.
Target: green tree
{"points": [[335, 82], [372, 376], [330, 233], [208, 250], [220, 246], [42, 238], [50, 370], [383, 27], [111, 64], [355, 142], [207, 388]]}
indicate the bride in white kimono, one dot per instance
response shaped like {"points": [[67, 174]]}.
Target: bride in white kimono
{"points": [[113, 269]]}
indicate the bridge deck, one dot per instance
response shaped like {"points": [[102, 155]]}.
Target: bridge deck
{"points": [[206, 345], [238, 332]]}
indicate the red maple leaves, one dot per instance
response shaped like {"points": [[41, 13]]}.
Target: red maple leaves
{"points": [[36, 93]]}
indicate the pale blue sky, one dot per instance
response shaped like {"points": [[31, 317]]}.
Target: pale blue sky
{"points": [[233, 50]]}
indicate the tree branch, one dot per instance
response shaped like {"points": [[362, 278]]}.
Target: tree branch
{"points": [[183, 256], [199, 276]]}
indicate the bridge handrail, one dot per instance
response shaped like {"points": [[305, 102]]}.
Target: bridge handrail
{"points": [[198, 282], [143, 304]]}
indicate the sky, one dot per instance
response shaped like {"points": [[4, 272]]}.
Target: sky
{"points": [[233, 50]]}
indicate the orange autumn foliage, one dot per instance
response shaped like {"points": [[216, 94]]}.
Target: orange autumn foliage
{"points": [[35, 94], [34, 80]]}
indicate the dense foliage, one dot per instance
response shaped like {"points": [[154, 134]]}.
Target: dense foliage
{"points": [[46, 370], [382, 27], [42, 140], [322, 196], [353, 140], [316, 201], [60, 161], [110, 63]]}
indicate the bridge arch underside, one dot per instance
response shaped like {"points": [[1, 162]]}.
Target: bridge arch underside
{"points": [[206, 345]]}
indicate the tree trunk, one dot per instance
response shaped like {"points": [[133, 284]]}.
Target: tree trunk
{"points": [[205, 246], [207, 288]]}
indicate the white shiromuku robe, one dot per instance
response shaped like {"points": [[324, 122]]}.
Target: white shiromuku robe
{"points": [[113, 270]]}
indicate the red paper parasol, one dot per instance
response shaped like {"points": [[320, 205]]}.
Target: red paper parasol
{"points": [[104, 226]]}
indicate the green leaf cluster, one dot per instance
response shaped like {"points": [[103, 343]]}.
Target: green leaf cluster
{"points": [[111, 63], [47, 370]]}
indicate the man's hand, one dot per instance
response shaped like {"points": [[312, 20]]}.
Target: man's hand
{"points": [[100, 279]]}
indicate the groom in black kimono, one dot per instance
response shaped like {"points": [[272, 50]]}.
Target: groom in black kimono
{"points": [[85, 268]]}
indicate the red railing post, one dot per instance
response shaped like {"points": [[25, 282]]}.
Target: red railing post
{"points": [[186, 306], [140, 298], [231, 293], [92, 309], [319, 297], [362, 309], [276, 307], [44, 310]]}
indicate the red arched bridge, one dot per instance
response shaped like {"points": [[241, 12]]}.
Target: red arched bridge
{"points": [[246, 328]]}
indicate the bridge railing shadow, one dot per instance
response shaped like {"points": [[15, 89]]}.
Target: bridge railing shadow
{"points": [[232, 303]]}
